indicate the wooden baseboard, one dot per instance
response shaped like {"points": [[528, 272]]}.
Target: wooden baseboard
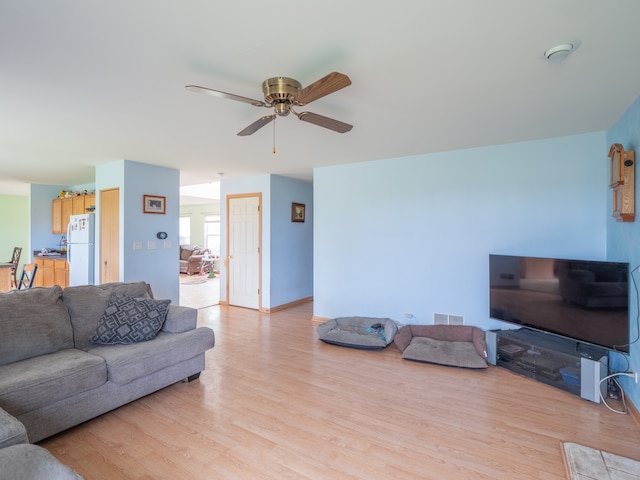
{"points": [[319, 319], [286, 305], [633, 412]]}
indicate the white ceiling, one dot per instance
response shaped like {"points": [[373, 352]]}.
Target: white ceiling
{"points": [[84, 82]]}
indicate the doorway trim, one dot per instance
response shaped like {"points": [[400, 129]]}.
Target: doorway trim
{"points": [[229, 198]]}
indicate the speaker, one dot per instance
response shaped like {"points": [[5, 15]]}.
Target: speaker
{"points": [[492, 342], [592, 371]]}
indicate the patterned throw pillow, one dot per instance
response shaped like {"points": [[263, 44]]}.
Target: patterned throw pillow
{"points": [[130, 320]]}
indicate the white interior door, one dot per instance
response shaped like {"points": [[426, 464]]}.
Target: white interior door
{"points": [[243, 279]]}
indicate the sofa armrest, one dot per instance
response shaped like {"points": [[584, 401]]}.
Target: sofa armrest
{"points": [[180, 319], [12, 432]]}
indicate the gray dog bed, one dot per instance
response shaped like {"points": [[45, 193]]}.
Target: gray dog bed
{"points": [[454, 345], [358, 332]]}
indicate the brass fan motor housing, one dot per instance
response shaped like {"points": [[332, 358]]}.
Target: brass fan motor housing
{"points": [[280, 92]]}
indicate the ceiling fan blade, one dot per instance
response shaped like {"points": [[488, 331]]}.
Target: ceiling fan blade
{"points": [[318, 89], [230, 96], [257, 125], [326, 122]]}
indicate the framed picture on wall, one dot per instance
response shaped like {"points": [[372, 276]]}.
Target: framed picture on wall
{"points": [[297, 212], [154, 204]]}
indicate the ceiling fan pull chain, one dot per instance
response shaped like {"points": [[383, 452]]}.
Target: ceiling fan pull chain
{"points": [[274, 136]]}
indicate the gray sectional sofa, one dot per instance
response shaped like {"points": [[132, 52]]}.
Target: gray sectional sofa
{"points": [[65, 359], [20, 460]]}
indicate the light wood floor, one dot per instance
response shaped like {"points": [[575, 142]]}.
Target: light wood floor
{"points": [[276, 403], [199, 291]]}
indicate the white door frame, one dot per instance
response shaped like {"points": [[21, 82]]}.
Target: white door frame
{"points": [[229, 243]]}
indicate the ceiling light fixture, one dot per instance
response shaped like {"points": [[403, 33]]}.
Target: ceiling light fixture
{"points": [[559, 52]]}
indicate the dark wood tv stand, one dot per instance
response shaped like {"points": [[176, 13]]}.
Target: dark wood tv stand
{"points": [[566, 364]]}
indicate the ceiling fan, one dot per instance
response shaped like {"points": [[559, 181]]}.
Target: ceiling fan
{"points": [[282, 94]]}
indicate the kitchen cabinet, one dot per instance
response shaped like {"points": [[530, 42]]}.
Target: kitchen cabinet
{"points": [[56, 216], [77, 205], [61, 273], [51, 272], [89, 201], [67, 210], [63, 208]]}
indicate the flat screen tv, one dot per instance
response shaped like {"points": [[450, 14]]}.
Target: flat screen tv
{"points": [[584, 300]]}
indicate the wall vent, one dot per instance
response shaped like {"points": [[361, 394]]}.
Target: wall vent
{"points": [[445, 319], [440, 319]]}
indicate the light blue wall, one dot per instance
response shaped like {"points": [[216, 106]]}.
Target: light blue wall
{"points": [[623, 240], [158, 266], [41, 197], [287, 248], [238, 186], [291, 242], [413, 234]]}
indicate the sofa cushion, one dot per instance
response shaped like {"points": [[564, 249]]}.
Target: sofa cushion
{"points": [[130, 320], [12, 431], [87, 303], [34, 322], [25, 461], [444, 352], [43, 380], [126, 363]]}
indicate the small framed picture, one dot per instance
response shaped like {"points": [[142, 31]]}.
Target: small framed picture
{"points": [[154, 204], [297, 212]]}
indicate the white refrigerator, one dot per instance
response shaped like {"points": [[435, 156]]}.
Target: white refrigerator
{"points": [[81, 248]]}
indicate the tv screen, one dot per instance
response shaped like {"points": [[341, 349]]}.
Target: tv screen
{"points": [[583, 300]]}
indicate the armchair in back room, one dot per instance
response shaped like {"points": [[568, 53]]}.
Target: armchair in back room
{"points": [[191, 258]]}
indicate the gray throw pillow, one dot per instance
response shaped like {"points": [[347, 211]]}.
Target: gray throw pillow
{"points": [[130, 320]]}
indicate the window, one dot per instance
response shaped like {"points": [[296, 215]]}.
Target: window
{"points": [[185, 230], [212, 233]]}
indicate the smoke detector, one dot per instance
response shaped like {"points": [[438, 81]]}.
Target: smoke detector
{"points": [[559, 52]]}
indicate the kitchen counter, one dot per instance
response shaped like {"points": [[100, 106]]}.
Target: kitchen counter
{"points": [[50, 255]]}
